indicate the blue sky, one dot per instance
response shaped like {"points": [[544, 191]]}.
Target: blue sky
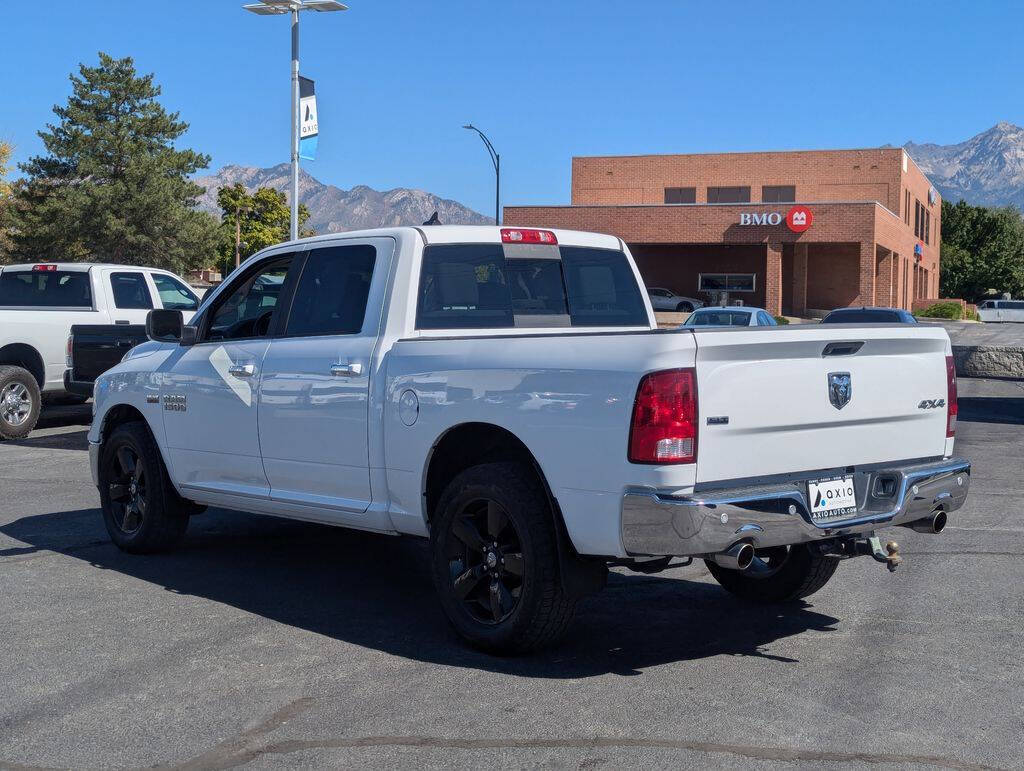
{"points": [[546, 80]]}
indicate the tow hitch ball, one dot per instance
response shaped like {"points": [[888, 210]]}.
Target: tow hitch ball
{"points": [[870, 545]]}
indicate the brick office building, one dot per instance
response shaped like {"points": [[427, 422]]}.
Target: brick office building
{"points": [[794, 232]]}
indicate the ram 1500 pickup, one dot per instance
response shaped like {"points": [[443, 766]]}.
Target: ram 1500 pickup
{"points": [[506, 393], [39, 304]]}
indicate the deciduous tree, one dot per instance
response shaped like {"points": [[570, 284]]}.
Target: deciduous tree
{"points": [[261, 219], [982, 249]]}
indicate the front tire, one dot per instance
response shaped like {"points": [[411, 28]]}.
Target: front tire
{"points": [[20, 401], [141, 510], [684, 308], [494, 558], [778, 575]]}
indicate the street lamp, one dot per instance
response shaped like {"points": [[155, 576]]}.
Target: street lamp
{"points": [[276, 8], [496, 160]]}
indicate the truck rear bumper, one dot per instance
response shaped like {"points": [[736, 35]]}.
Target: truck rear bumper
{"points": [[658, 523]]}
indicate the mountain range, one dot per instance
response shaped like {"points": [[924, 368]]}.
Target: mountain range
{"points": [[332, 210], [987, 169]]}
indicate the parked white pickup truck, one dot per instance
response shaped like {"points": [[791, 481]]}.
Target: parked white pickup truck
{"points": [[506, 393], [38, 305]]}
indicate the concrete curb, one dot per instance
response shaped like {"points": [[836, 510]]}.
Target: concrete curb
{"points": [[989, 360]]}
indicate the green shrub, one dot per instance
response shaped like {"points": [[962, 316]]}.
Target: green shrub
{"points": [[971, 315], [952, 311], [780, 319]]}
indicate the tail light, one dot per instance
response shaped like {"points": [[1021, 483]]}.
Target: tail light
{"points": [[527, 236], [952, 408], [67, 352], [664, 427], [44, 268]]}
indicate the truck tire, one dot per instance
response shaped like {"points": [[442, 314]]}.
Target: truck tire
{"points": [[778, 575], [494, 558], [19, 402], [684, 308], [141, 509]]}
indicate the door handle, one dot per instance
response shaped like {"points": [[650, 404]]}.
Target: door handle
{"points": [[242, 370], [346, 370]]}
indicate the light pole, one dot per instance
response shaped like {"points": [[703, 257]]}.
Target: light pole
{"points": [[496, 160], [276, 8]]}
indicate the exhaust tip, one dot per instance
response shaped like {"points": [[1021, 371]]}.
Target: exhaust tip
{"points": [[745, 556], [939, 522]]}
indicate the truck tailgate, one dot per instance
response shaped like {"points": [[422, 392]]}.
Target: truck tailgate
{"points": [[765, 407], [95, 348]]}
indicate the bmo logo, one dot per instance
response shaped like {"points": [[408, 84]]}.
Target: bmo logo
{"points": [[798, 219], [760, 218]]}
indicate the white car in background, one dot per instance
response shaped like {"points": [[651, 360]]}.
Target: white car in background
{"points": [[666, 300], [730, 316], [1001, 310]]}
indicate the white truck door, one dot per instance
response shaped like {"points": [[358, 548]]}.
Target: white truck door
{"points": [[129, 299], [210, 389], [314, 393]]}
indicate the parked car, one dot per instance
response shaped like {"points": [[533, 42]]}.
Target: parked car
{"points": [[866, 315], [667, 300], [730, 316], [1001, 310], [38, 305], [506, 393]]}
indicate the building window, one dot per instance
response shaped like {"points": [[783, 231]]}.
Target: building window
{"points": [[729, 194], [726, 282], [917, 218], [680, 195], [778, 193], [927, 226], [906, 206]]}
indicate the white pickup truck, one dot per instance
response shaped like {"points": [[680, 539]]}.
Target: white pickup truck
{"points": [[40, 302], [506, 392]]}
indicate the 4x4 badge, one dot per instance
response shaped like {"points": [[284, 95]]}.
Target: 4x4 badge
{"points": [[840, 389]]}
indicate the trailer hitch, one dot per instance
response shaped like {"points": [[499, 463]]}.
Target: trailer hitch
{"points": [[870, 545]]}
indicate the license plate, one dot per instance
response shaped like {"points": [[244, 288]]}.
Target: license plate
{"points": [[831, 499]]}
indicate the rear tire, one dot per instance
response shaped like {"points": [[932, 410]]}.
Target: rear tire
{"points": [[141, 510], [508, 598], [20, 401], [783, 574]]}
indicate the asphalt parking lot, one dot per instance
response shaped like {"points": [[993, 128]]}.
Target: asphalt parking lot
{"points": [[272, 643]]}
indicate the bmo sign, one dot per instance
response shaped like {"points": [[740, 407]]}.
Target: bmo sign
{"points": [[798, 219]]}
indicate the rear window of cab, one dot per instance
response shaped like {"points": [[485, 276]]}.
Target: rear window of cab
{"points": [[489, 286], [45, 289]]}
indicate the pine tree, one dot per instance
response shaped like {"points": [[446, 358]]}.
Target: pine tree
{"points": [[112, 186]]}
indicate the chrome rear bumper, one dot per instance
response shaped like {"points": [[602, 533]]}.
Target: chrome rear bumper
{"points": [[658, 523]]}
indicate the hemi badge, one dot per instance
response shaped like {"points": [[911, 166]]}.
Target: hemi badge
{"points": [[152, 398], [718, 420]]}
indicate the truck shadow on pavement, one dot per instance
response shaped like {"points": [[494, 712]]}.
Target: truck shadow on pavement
{"points": [[376, 592], [991, 409]]}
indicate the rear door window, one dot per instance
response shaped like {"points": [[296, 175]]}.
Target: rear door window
{"points": [[45, 289], [466, 286], [130, 291], [330, 298]]}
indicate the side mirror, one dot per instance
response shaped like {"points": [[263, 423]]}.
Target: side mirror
{"points": [[164, 326]]}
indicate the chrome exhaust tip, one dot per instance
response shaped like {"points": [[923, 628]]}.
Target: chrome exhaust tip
{"points": [[737, 557], [934, 524]]}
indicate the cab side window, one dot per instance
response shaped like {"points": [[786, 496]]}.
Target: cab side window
{"points": [[130, 291], [331, 294], [248, 309], [174, 294]]}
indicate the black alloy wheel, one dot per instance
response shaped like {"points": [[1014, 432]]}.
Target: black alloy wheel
{"points": [[127, 488], [485, 561], [141, 509]]}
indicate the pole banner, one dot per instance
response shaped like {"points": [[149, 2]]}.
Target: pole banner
{"points": [[308, 130]]}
